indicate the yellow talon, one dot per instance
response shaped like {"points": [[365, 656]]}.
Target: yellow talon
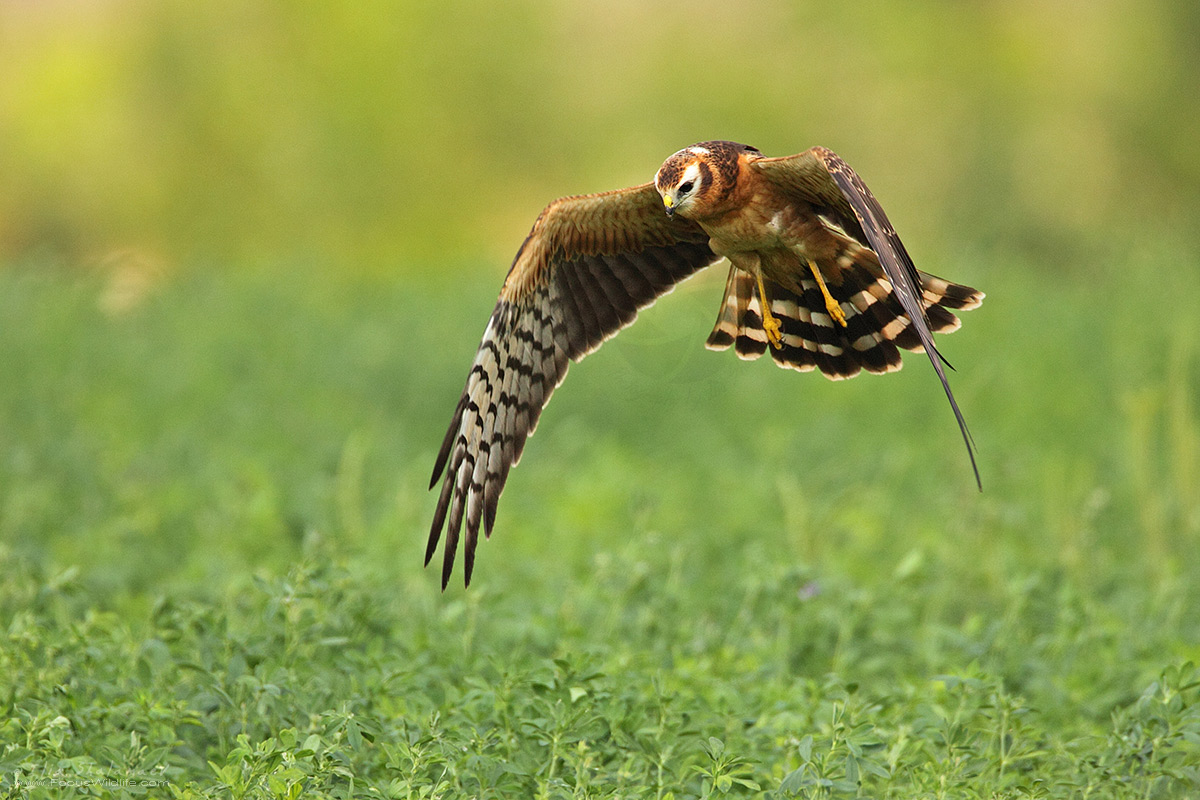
{"points": [[770, 324], [835, 311], [831, 305], [772, 328]]}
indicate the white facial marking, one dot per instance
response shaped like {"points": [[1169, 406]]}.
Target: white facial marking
{"points": [[699, 151], [692, 173]]}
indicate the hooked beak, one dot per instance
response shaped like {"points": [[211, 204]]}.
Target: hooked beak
{"points": [[669, 203]]}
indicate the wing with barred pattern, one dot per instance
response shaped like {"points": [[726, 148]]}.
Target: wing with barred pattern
{"points": [[588, 266], [818, 176]]}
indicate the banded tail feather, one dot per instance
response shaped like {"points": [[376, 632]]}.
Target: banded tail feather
{"points": [[876, 324]]}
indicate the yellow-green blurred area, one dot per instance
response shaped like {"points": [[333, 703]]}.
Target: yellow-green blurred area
{"points": [[385, 134]]}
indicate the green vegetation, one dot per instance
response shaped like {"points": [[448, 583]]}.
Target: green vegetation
{"points": [[709, 578]]}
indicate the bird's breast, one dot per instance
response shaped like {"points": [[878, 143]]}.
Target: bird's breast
{"points": [[765, 223]]}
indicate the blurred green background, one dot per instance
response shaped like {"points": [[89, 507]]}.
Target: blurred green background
{"points": [[390, 135]]}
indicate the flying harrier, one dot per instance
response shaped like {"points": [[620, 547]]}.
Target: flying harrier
{"points": [[818, 276]]}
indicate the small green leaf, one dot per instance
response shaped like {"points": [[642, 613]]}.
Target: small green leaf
{"points": [[793, 781], [804, 749]]}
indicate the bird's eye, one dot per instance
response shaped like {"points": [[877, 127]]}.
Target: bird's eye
{"points": [[685, 187]]}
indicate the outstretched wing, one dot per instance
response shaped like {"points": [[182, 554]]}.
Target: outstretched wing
{"points": [[589, 264], [821, 178]]}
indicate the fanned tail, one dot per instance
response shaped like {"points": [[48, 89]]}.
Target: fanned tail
{"points": [[876, 325]]}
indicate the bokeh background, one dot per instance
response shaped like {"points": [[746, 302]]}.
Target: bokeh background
{"points": [[391, 135]]}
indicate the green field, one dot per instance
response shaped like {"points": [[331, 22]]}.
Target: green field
{"points": [[708, 578]]}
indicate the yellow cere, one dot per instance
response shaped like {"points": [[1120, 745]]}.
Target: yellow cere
{"points": [[667, 201]]}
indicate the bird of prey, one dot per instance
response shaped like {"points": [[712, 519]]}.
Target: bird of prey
{"points": [[817, 276]]}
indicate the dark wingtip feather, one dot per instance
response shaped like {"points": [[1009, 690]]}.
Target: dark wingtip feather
{"points": [[447, 442], [448, 559], [489, 512], [468, 563], [936, 358], [439, 517]]}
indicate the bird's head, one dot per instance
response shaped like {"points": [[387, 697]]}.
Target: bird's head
{"points": [[695, 179]]}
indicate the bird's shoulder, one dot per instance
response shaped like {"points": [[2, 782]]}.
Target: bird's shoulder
{"points": [[807, 172]]}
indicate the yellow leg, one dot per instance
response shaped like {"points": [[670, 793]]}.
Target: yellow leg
{"points": [[831, 305], [771, 325]]}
